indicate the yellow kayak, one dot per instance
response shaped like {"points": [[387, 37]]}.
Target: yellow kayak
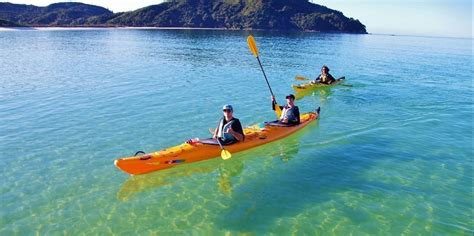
{"points": [[313, 86], [188, 153]]}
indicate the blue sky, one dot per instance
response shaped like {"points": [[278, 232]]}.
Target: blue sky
{"points": [[450, 18]]}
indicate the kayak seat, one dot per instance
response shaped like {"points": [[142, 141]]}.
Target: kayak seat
{"points": [[211, 141], [279, 124]]}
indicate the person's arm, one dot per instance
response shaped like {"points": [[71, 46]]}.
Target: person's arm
{"points": [[317, 78], [274, 102], [236, 130], [331, 79], [297, 115], [216, 130]]}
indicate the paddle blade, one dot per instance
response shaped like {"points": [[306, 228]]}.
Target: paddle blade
{"points": [[225, 154], [277, 111], [252, 45], [299, 77]]}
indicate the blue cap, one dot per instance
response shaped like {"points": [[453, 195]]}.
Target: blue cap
{"points": [[227, 107]]}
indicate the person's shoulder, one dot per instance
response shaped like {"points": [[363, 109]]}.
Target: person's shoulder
{"points": [[236, 123]]}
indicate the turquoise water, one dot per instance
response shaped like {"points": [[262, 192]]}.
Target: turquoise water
{"points": [[391, 154]]}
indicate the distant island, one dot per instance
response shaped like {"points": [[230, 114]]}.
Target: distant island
{"points": [[291, 15]]}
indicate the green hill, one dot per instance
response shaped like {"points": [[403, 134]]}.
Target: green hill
{"points": [[230, 14], [5, 23], [58, 14]]}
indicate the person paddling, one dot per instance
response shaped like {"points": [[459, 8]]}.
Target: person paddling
{"points": [[229, 130], [324, 77], [290, 114]]}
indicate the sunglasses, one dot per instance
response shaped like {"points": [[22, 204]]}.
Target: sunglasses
{"points": [[227, 110]]}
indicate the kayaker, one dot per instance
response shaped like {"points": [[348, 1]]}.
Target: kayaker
{"points": [[290, 113], [324, 77], [229, 130]]}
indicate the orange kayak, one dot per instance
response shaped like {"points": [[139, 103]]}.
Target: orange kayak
{"points": [[188, 153]]}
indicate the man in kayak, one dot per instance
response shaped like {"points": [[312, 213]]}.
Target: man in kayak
{"points": [[228, 131], [324, 77], [290, 113]]}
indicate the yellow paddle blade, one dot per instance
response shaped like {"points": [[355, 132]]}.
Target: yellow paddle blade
{"points": [[299, 77], [252, 45], [225, 154], [277, 111]]}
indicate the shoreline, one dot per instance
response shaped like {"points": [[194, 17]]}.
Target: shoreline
{"points": [[52, 28], [99, 28], [26, 28]]}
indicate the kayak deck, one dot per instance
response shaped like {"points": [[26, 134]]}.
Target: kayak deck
{"points": [[311, 86], [188, 153]]}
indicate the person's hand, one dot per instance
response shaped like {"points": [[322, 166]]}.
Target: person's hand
{"points": [[273, 98], [284, 120], [230, 131]]}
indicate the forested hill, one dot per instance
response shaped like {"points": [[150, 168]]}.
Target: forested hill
{"points": [[231, 14], [57, 14]]}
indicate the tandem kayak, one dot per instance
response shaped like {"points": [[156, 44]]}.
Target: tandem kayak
{"points": [[188, 153], [313, 86]]}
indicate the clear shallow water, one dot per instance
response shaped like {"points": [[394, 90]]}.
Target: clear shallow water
{"points": [[392, 152]]}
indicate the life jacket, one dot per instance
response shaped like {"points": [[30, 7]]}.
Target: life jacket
{"points": [[323, 78], [223, 130], [288, 113]]}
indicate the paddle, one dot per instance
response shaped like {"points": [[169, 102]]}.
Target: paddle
{"points": [[224, 153], [253, 48], [299, 77]]}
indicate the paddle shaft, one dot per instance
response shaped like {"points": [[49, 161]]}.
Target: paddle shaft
{"points": [[219, 142], [264, 75], [253, 48]]}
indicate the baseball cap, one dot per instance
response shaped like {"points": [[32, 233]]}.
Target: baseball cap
{"points": [[228, 107]]}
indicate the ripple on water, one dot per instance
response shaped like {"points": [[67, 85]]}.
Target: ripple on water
{"points": [[391, 153]]}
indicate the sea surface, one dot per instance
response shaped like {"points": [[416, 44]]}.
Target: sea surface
{"points": [[392, 153]]}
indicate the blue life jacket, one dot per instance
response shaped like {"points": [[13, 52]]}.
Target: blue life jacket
{"points": [[223, 130], [288, 113]]}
